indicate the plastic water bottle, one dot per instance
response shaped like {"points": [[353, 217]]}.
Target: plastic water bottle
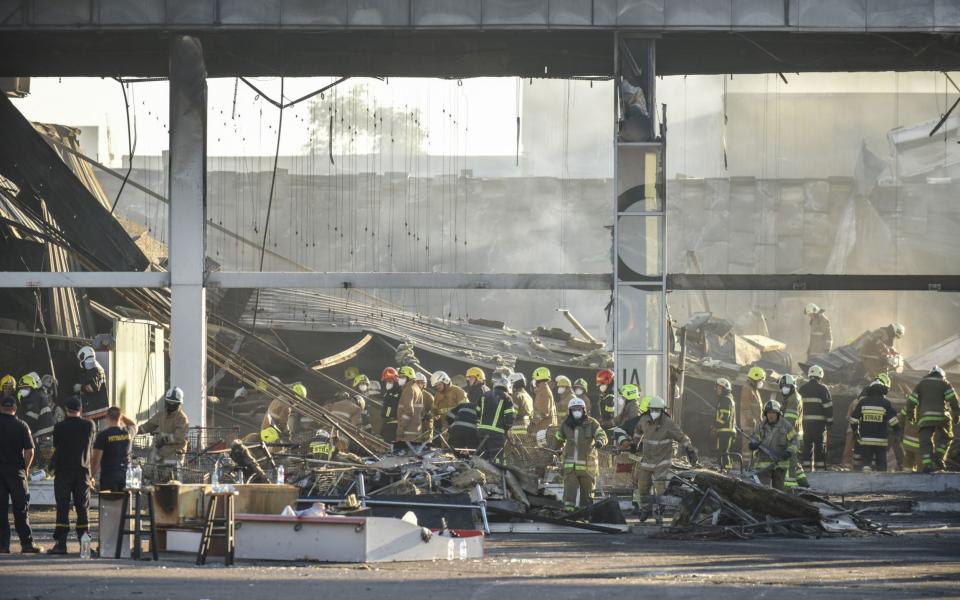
{"points": [[215, 478], [85, 545], [280, 479], [130, 479], [137, 476]]}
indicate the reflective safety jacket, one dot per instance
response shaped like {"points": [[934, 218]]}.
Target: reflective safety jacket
{"points": [[93, 388], [476, 391], [564, 399], [410, 413], [388, 413], [726, 417], [348, 410], [779, 438], [793, 410], [35, 411], [462, 424], [630, 410], [872, 418], [821, 336], [495, 412], [657, 438], [172, 427], [911, 430], [817, 403], [928, 403], [544, 410], [450, 397], [607, 406], [580, 441], [750, 409], [523, 404]]}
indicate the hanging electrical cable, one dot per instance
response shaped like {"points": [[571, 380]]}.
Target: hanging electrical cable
{"points": [[131, 144]]}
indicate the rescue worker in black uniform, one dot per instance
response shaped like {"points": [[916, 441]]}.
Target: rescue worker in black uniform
{"points": [[390, 397], [72, 439], [817, 420], [495, 415], [871, 421], [16, 455], [111, 451], [725, 423], [462, 426], [34, 409], [93, 382]]}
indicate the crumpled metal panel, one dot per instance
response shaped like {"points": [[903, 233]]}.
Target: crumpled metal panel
{"points": [[946, 13], [378, 13], [61, 12], [762, 13], [121, 12], [833, 14], [515, 12], [446, 12], [897, 14], [250, 12], [640, 12], [188, 12], [570, 12], [314, 12], [697, 13]]}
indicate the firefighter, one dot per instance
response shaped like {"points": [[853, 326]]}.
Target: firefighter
{"points": [[361, 383], [347, 407], [426, 426], [580, 389], [350, 375], [410, 407], [606, 404], [544, 409], [775, 446], [37, 414], [725, 423], [475, 384], [910, 430], [750, 407], [447, 397], [522, 404], [817, 420], [8, 386], [792, 404], [927, 406], [169, 426], [631, 403], [821, 336], [93, 381], [390, 398], [870, 422], [462, 426], [279, 414], [564, 394], [580, 436], [877, 351], [656, 432], [495, 414]]}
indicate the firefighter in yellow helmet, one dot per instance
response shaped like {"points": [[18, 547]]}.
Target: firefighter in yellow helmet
{"points": [[580, 435], [631, 403], [564, 394], [8, 386], [410, 407], [725, 423], [476, 387], [750, 407], [544, 409]]}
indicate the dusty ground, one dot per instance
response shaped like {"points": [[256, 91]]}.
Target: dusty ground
{"points": [[923, 561]]}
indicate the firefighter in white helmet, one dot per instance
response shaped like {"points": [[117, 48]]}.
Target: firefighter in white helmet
{"points": [[821, 335]]}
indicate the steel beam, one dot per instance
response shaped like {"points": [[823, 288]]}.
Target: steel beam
{"points": [[187, 214], [84, 279], [437, 281], [811, 282]]}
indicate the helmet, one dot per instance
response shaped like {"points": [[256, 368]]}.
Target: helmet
{"points": [[502, 371], [756, 374], [48, 381], [476, 372], [85, 353], [581, 383], [360, 379], [576, 403], [408, 372], [630, 392], [351, 373], [29, 382], [772, 405], [898, 330], [562, 381], [501, 382], [299, 390], [724, 383], [421, 377], [341, 395], [885, 380], [605, 377], [269, 435], [815, 371], [389, 374], [517, 376], [541, 374], [322, 435], [8, 380], [657, 402], [174, 396], [786, 380], [936, 371], [439, 377], [879, 383], [811, 309]]}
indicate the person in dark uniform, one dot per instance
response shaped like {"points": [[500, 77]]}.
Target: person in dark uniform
{"points": [[72, 438], [111, 451], [93, 381], [16, 454]]}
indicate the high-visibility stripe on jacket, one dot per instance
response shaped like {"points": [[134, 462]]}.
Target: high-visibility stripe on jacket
{"points": [[793, 410], [657, 437], [726, 416], [817, 403], [778, 438], [929, 401], [872, 418], [579, 444], [495, 412]]}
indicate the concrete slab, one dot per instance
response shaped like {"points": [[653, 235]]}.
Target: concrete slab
{"points": [[871, 483]]}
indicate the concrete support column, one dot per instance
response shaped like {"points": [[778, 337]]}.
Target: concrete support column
{"points": [[188, 174]]}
